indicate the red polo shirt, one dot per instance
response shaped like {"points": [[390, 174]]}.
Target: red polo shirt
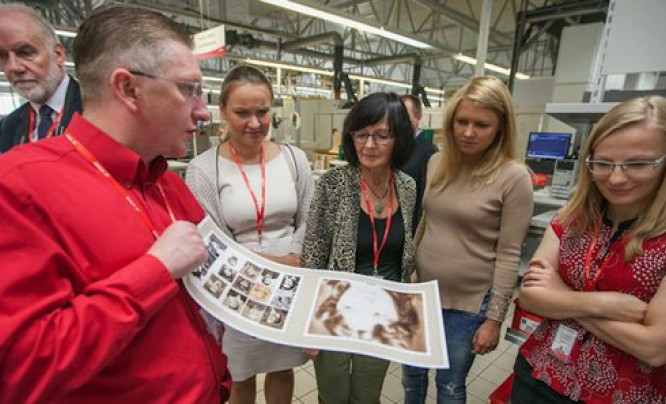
{"points": [[85, 314]]}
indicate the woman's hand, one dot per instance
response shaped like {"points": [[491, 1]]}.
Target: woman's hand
{"points": [[622, 307], [486, 337], [541, 273], [310, 353], [293, 260], [611, 305]]}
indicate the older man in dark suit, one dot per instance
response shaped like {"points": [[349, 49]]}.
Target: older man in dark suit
{"points": [[33, 61]]}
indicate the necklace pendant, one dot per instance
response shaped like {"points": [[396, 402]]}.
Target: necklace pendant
{"points": [[379, 207]]}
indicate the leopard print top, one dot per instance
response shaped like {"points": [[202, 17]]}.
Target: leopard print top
{"points": [[332, 227]]}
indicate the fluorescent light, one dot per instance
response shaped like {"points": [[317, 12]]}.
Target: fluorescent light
{"points": [[211, 78], [288, 67], [334, 18], [68, 34], [498, 69], [380, 81], [434, 90]]}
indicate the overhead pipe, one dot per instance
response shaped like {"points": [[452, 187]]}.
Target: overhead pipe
{"points": [[338, 54]]}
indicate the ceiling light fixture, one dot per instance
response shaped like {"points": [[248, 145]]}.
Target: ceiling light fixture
{"points": [[334, 18], [434, 90], [498, 69], [380, 81], [211, 78], [67, 34]]}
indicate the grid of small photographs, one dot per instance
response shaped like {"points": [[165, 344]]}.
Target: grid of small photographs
{"points": [[258, 294]]}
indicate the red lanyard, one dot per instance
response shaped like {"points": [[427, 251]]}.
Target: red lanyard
{"points": [[259, 211], [376, 251], [128, 198], [591, 282], [32, 137]]}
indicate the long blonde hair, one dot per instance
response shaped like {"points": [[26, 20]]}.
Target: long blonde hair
{"points": [[585, 209], [487, 92]]}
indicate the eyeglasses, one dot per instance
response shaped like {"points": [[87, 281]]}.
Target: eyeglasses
{"points": [[380, 138], [192, 90], [635, 168]]}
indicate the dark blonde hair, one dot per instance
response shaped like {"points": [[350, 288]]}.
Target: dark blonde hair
{"points": [[242, 74], [490, 93], [585, 209]]}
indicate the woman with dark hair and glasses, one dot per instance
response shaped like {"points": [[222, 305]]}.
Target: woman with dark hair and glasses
{"points": [[361, 221], [598, 274]]}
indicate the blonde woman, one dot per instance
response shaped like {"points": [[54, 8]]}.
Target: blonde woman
{"points": [[476, 213], [598, 274]]}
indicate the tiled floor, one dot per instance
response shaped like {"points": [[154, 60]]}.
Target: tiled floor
{"points": [[487, 373]]}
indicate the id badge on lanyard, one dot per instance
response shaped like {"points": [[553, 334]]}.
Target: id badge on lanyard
{"points": [[563, 343]]}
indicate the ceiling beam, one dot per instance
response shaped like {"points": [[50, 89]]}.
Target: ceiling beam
{"points": [[466, 21]]}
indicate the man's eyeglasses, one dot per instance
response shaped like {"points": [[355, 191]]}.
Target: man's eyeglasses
{"points": [[635, 168], [192, 90], [380, 138]]}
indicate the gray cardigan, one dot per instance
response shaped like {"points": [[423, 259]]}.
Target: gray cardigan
{"points": [[332, 231], [200, 177]]}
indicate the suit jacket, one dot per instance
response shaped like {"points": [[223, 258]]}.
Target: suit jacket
{"points": [[14, 127], [416, 168]]}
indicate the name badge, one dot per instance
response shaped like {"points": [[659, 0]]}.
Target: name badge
{"points": [[259, 248], [563, 343]]}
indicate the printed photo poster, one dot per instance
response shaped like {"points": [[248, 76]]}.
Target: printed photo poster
{"points": [[308, 308]]}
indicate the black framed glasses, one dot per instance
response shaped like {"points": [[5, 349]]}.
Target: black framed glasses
{"points": [[192, 90], [380, 138], [635, 168]]}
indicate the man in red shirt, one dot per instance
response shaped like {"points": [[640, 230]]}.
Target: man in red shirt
{"points": [[96, 233]]}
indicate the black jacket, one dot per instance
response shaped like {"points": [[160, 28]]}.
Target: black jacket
{"points": [[416, 168], [14, 127]]}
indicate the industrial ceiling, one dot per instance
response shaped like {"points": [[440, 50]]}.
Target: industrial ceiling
{"points": [[450, 28]]}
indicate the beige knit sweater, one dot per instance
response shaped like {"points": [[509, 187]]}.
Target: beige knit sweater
{"points": [[470, 238]]}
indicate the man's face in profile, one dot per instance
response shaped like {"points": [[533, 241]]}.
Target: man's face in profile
{"points": [[171, 110]]}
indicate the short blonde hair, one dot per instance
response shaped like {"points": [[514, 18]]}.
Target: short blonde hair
{"points": [[585, 209], [488, 92]]}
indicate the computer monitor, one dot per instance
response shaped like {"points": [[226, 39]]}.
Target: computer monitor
{"points": [[548, 145]]}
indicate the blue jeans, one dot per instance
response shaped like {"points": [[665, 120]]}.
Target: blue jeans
{"points": [[460, 328]]}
